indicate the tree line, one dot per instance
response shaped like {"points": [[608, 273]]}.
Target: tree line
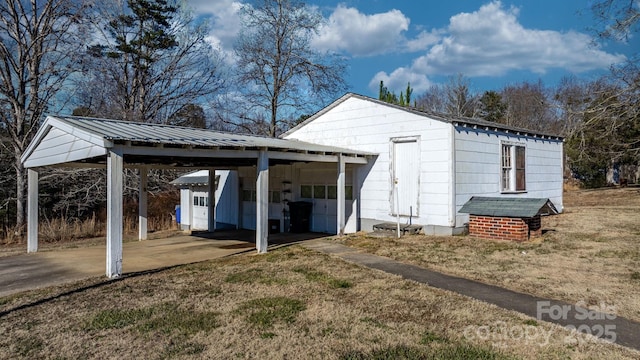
{"points": [[150, 61]]}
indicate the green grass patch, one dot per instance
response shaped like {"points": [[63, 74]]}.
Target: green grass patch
{"points": [[456, 351], [429, 337], [117, 318], [28, 346], [265, 312], [322, 277], [179, 347], [163, 318]]}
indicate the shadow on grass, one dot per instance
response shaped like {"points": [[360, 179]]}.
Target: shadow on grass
{"points": [[103, 283]]}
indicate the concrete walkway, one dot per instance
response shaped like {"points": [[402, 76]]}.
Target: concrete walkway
{"points": [[626, 332]]}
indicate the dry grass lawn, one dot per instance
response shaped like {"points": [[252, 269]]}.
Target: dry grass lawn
{"points": [[294, 303], [291, 303], [589, 253]]}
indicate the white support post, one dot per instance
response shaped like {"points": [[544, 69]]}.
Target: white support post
{"points": [[211, 202], [32, 210], [341, 196], [114, 214], [142, 205], [262, 202]]}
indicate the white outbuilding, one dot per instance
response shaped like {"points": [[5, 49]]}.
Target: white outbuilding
{"points": [[425, 167], [429, 165]]}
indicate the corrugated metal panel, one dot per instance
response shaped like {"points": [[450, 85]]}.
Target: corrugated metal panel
{"points": [[115, 130]]}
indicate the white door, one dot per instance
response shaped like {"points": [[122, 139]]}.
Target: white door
{"points": [[406, 175], [200, 215]]}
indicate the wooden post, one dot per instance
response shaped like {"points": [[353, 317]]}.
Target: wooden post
{"points": [[262, 202], [32, 210], [142, 205], [341, 196], [211, 201], [114, 214]]}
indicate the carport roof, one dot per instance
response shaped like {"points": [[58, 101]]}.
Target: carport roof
{"points": [[69, 139]]}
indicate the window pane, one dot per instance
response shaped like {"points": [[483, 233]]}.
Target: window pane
{"points": [[195, 201], [520, 180], [253, 195], [332, 192], [506, 180], [246, 195], [520, 157], [305, 191], [319, 192], [506, 156], [202, 201], [348, 192], [521, 183], [275, 197]]}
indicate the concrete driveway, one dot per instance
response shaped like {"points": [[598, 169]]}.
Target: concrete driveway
{"points": [[45, 268]]}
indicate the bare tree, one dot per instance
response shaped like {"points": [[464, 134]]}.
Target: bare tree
{"points": [[617, 19], [38, 43], [432, 100], [454, 98], [278, 68], [460, 101], [614, 110], [530, 106]]}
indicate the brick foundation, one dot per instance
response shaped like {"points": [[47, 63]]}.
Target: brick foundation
{"points": [[504, 228]]}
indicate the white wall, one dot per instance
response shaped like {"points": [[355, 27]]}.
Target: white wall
{"points": [[478, 167], [280, 179], [185, 208], [368, 126], [227, 197], [195, 217]]}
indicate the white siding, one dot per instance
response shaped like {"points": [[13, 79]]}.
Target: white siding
{"points": [[324, 211], [196, 217], [59, 147], [478, 167], [185, 208], [280, 182], [368, 126], [227, 197]]}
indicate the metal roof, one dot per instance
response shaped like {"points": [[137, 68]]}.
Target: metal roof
{"points": [[195, 178], [119, 131], [464, 121], [509, 207]]}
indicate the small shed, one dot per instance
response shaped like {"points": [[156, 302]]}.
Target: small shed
{"points": [[194, 197], [507, 218]]}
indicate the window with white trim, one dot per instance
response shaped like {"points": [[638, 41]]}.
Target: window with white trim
{"points": [[513, 164]]}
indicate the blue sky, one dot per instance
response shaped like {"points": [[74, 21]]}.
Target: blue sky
{"points": [[493, 43]]}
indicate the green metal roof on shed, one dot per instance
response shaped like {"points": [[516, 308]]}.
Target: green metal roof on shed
{"points": [[508, 207]]}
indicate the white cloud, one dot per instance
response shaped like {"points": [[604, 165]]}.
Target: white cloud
{"points": [[399, 78], [358, 34], [491, 42], [224, 21], [423, 41]]}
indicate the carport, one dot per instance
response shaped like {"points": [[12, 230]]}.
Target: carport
{"points": [[90, 142]]}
